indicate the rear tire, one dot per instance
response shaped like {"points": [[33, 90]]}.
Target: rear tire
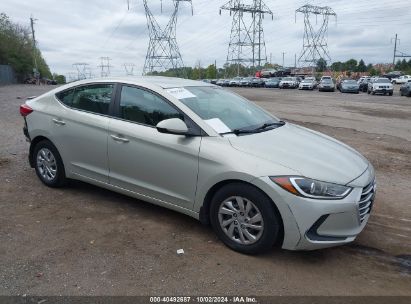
{"points": [[244, 218], [48, 164]]}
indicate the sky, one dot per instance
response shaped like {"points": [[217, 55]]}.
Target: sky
{"points": [[70, 31]]}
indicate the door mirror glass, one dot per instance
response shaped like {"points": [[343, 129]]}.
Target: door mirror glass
{"points": [[172, 126]]}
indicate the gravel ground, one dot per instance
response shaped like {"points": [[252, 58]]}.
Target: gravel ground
{"points": [[83, 240]]}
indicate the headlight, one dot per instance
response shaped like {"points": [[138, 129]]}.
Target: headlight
{"points": [[310, 188]]}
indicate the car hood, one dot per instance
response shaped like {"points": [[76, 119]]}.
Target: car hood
{"points": [[308, 152]]}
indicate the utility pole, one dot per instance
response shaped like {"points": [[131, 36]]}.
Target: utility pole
{"points": [[395, 48], [36, 69], [398, 54], [295, 61], [283, 58]]}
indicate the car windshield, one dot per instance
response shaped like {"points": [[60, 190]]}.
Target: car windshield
{"points": [[326, 80], [383, 80], [224, 110], [350, 82], [307, 81], [287, 79]]}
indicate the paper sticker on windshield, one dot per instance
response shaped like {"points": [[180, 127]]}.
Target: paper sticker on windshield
{"points": [[180, 93], [218, 125]]}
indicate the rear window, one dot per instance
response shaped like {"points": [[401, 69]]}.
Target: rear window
{"points": [[93, 98]]}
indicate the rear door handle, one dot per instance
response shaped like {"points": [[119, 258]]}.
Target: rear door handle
{"points": [[119, 139], [58, 122]]}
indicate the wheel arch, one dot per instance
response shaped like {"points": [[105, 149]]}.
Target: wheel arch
{"points": [[33, 144], [204, 215]]}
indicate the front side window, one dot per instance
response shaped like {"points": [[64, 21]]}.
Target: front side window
{"points": [[94, 98], [143, 107]]}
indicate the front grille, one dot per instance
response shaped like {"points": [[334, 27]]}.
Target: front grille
{"points": [[366, 200]]}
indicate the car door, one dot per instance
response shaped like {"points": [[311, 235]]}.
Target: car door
{"points": [[80, 129], [145, 161]]}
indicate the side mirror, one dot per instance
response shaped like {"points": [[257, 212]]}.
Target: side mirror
{"points": [[172, 126]]}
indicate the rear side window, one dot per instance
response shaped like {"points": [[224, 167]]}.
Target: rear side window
{"points": [[143, 107], [94, 98]]}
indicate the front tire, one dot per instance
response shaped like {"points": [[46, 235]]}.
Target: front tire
{"points": [[48, 164], [244, 218]]}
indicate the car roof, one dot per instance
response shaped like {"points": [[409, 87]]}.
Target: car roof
{"points": [[160, 81]]}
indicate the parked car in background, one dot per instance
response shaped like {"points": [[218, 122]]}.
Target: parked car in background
{"points": [[220, 82], [401, 79], [206, 152], [392, 75], [326, 77], [363, 83], [235, 82], [288, 82], [405, 89], [349, 86], [326, 85], [307, 84], [226, 82], [246, 82], [340, 81], [380, 86], [257, 82], [273, 82]]}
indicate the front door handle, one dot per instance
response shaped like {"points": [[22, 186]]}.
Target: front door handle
{"points": [[119, 139], [58, 122]]}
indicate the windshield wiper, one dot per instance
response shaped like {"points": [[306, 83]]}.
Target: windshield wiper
{"points": [[256, 130], [269, 124]]}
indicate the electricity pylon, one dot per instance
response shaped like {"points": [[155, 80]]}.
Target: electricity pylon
{"points": [[81, 68], [105, 66], [129, 68], [163, 52], [315, 38], [247, 45]]}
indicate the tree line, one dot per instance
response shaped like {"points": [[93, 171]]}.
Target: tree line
{"points": [[18, 51]]}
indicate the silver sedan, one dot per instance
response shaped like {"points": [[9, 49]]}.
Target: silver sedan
{"points": [[204, 151]]}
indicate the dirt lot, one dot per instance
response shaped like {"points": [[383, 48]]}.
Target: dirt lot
{"points": [[82, 240]]}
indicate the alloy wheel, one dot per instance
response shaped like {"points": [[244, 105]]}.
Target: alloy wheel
{"points": [[241, 220], [46, 164]]}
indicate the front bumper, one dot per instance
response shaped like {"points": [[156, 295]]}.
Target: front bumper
{"points": [[313, 224], [383, 91], [350, 90], [326, 89]]}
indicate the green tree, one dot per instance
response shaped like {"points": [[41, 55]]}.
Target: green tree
{"points": [[350, 65], [337, 66], [321, 65], [361, 66], [211, 72], [16, 49], [60, 79]]}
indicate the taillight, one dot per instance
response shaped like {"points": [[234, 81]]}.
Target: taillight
{"points": [[25, 110]]}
